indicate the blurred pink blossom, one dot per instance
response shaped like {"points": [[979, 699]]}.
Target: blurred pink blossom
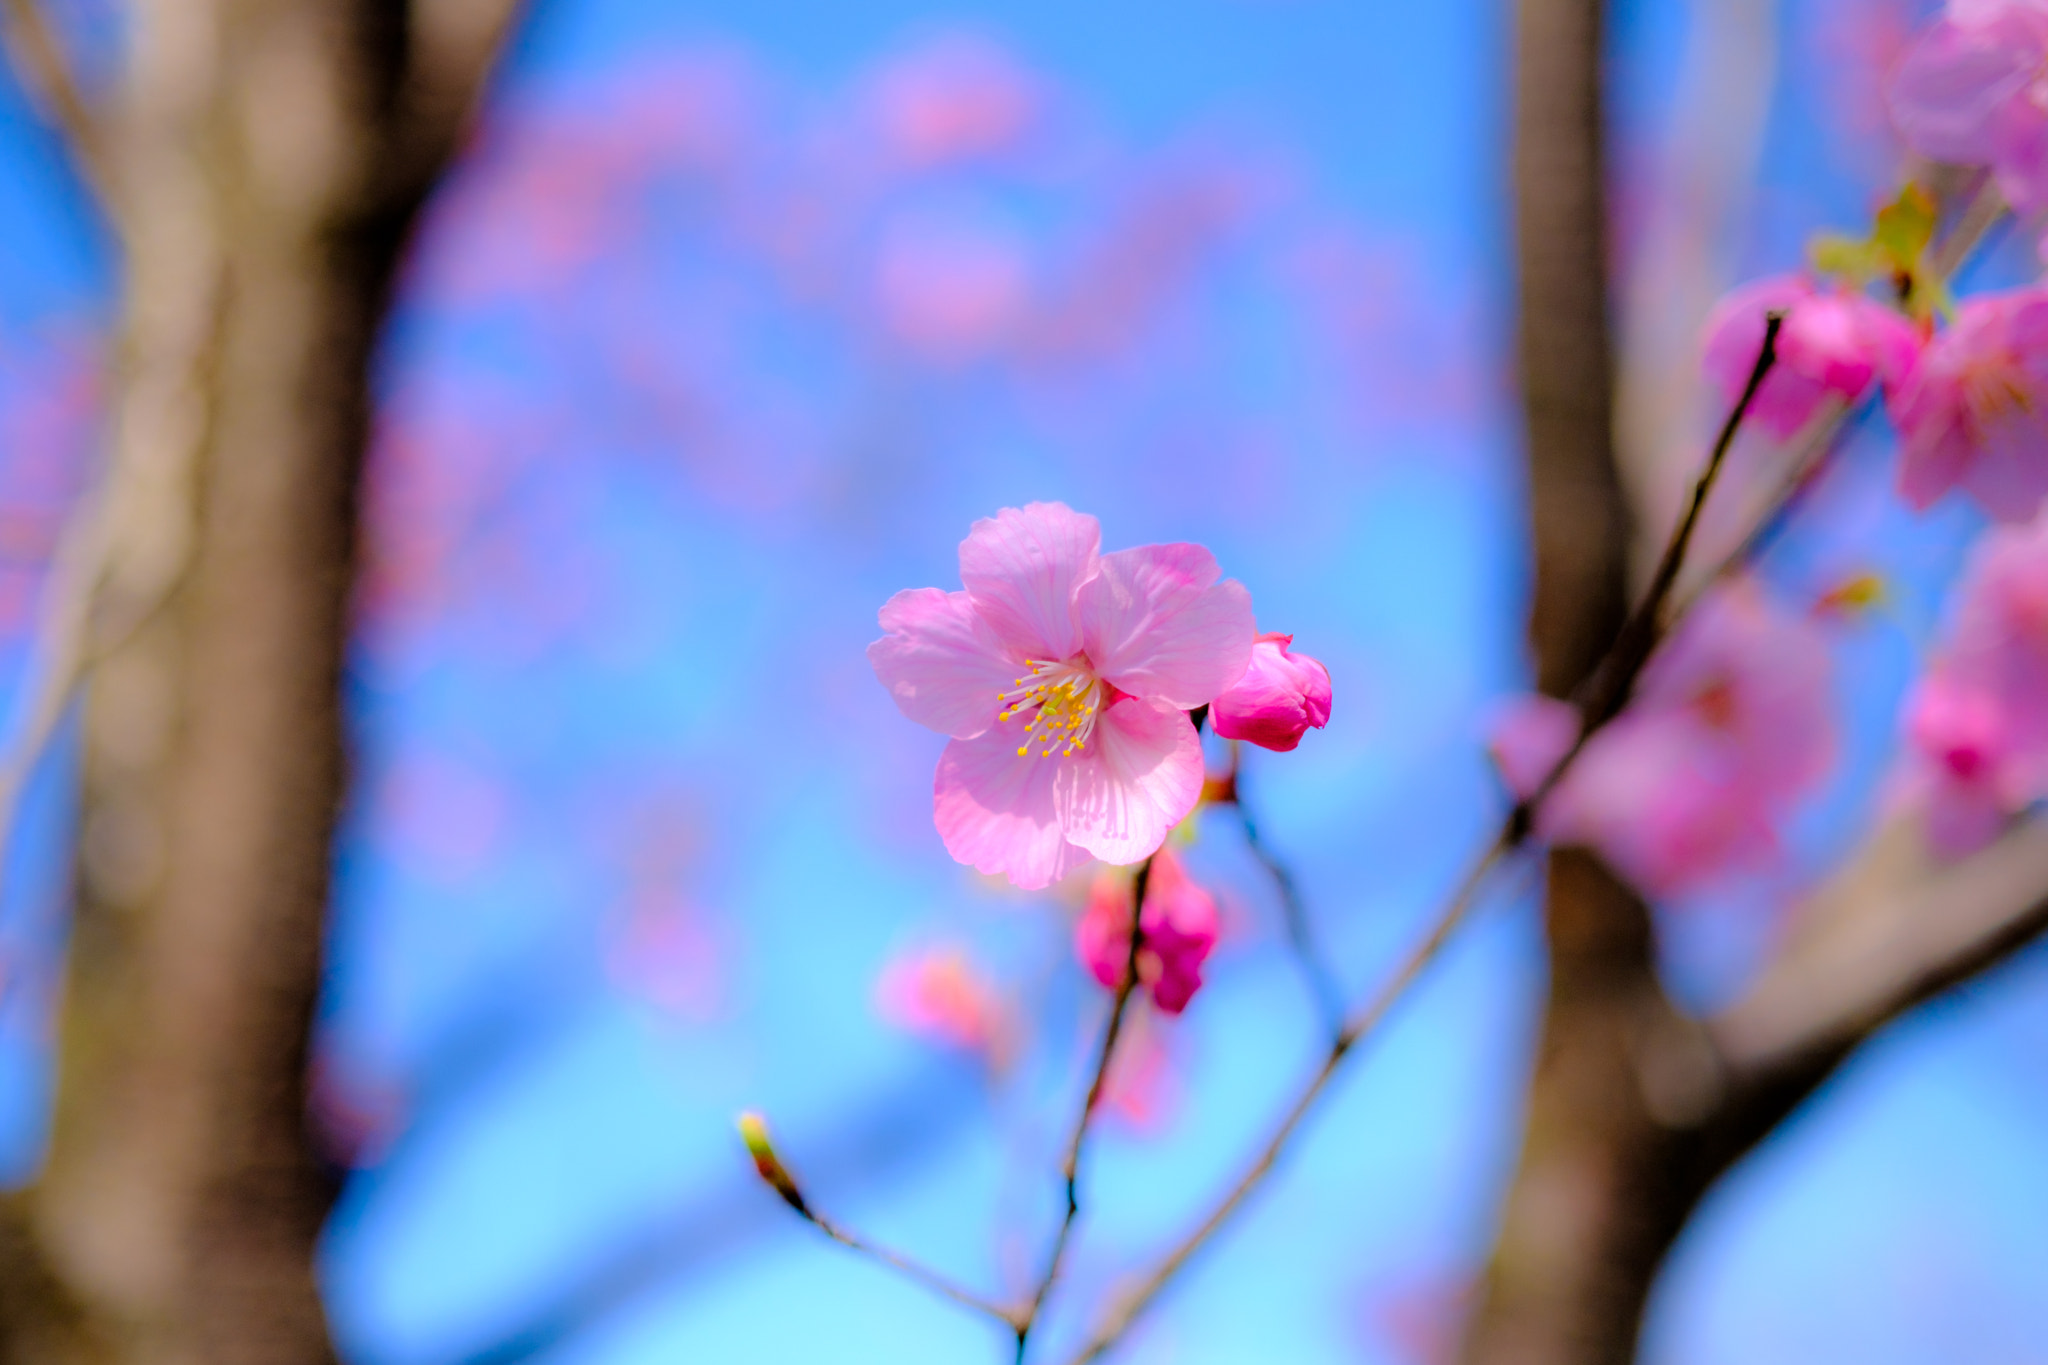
{"points": [[1974, 90], [1978, 724], [445, 816], [1064, 677], [1114, 292], [1145, 1085], [1833, 343], [954, 98], [1279, 699], [951, 289], [940, 994], [1529, 736], [1974, 415], [1961, 734], [1729, 727], [1179, 923]]}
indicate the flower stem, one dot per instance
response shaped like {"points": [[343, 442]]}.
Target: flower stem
{"points": [[1608, 692], [1322, 982], [776, 1174], [1070, 1169]]}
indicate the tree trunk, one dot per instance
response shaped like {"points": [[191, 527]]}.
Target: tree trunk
{"points": [[1572, 1267], [267, 163]]}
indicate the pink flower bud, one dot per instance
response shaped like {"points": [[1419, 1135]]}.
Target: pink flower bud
{"points": [[939, 993], [1180, 924], [1280, 696]]}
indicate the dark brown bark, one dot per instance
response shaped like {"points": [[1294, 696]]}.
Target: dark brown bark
{"points": [[1566, 1283], [270, 158], [1636, 1111], [1580, 517]]}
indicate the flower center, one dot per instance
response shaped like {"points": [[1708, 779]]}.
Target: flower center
{"points": [[1715, 704], [1996, 389], [1062, 701]]}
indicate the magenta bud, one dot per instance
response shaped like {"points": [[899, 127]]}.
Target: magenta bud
{"points": [[1280, 696]]}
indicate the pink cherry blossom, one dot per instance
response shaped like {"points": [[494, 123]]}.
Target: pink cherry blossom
{"points": [[1527, 739], [939, 993], [1960, 733], [954, 98], [1978, 724], [1974, 90], [1974, 415], [1147, 1081], [1833, 343], [951, 289], [1178, 927], [1280, 697], [1064, 677], [1729, 727]]}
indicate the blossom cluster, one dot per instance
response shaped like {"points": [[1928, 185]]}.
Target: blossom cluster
{"points": [[1068, 682], [1071, 683], [1970, 399], [1730, 726], [1978, 722]]}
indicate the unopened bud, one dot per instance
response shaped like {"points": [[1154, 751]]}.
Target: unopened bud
{"points": [[1279, 698], [754, 1132]]}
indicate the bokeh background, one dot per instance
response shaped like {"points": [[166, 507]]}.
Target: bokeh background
{"points": [[730, 322]]}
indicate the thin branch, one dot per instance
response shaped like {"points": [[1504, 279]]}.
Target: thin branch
{"points": [[1018, 1319], [1801, 473], [57, 655], [1611, 683], [903, 1265], [1322, 983], [1134, 1301], [924, 1275], [1071, 1167], [1983, 211], [773, 1172], [39, 58], [1891, 930], [1608, 688]]}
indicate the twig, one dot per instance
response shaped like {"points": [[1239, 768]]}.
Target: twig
{"points": [[1801, 473], [1137, 1299], [1979, 216], [40, 59], [924, 1275], [1071, 1167], [1985, 208], [1608, 691], [1891, 929], [754, 1132], [1322, 983], [57, 658]]}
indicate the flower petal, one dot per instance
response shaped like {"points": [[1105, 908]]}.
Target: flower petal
{"points": [[941, 662], [1156, 623], [1021, 567], [1952, 89], [1140, 777], [1528, 738], [996, 811]]}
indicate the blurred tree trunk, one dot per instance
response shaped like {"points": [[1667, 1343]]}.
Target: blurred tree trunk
{"points": [[1635, 1110], [264, 168], [1577, 1247]]}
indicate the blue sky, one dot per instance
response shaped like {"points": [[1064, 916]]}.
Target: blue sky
{"points": [[637, 831]]}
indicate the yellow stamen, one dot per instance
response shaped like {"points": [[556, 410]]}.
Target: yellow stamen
{"points": [[1063, 701]]}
